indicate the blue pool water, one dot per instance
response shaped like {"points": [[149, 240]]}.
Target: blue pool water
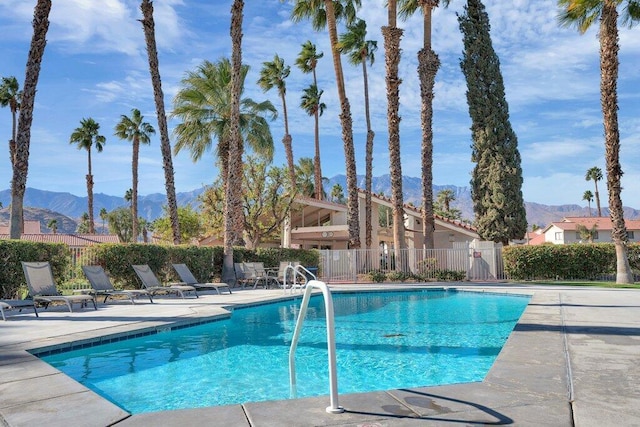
{"points": [[385, 340]]}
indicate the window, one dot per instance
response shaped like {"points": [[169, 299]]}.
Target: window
{"points": [[558, 235], [630, 234]]}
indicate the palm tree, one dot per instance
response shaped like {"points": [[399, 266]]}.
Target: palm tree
{"points": [[311, 104], [233, 218], [10, 97], [85, 137], [582, 13], [337, 193], [274, 74], [304, 177], [23, 135], [428, 64], [134, 130], [53, 225], [204, 105], [83, 226], [392, 35], [595, 174], [148, 25], [445, 197], [326, 13], [588, 197], [361, 51], [103, 217], [307, 61]]}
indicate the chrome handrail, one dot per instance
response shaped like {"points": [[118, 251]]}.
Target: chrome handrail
{"points": [[334, 408]]}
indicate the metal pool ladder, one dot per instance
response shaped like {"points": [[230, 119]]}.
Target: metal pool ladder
{"points": [[334, 408]]}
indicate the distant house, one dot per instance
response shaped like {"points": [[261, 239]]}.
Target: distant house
{"points": [[323, 225], [567, 230], [33, 233]]}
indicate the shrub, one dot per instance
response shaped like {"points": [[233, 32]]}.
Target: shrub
{"points": [[12, 281], [377, 276]]}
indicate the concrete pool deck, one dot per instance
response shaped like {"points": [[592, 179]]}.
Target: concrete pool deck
{"points": [[573, 359]]}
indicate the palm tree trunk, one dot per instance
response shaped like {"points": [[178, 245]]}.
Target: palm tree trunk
{"points": [[134, 190], [286, 141], [317, 167], [368, 178], [609, 99], [595, 182], [21, 168], [428, 64], [12, 142], [392, 36], [92, 229], [353, 220], [317, 171], [233, 199], [165, 146]]}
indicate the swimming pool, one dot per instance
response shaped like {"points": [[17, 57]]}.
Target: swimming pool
{"points": [[385, 340]]}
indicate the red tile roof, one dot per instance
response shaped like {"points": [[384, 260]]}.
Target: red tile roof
{"points": [[74, 240]]}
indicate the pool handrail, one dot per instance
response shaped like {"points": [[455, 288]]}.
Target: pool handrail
{"points": [[296, 272], [334, 408]]}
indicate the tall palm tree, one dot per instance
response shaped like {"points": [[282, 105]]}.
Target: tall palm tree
{"points": [[582, 13], [392, 35], [23, 135], [428, 64], [137, 131], [307, 61], [361, 51], [274, 74], [311, 104], [588, 197], [204, 103], [85, 137], [233, 193], [148, 25], [326, 13], [10, 97], [53, 225], [595, 174]]}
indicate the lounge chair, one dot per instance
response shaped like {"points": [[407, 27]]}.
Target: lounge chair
{"points": [[101, 285], [285, 277], [260, 275], [189, 279], [153, 285], [242, 275], [42, 288], [17, 304]]}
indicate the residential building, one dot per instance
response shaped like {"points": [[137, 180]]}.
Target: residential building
{"points": [[568, 230]]}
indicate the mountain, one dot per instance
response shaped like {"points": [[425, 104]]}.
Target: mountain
{"points": [[68, 208]]}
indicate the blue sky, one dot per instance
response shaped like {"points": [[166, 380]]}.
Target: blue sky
{"points": [[95, 65]]}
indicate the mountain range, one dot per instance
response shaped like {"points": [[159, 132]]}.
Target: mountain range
{"points": [[67, 208]]}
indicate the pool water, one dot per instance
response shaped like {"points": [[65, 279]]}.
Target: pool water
{"points": [[385, 340]]}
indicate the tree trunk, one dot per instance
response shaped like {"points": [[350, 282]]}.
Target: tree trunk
{"points": [[286, 141], [428, 64], [92, 228], [134, 190], [233, 200], [609, 100], [368, 177], [165, 146], [23, 139], [392, 37], [317, 171], [598, 194], [353, 220]]}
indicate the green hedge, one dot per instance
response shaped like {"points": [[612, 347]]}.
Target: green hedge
{"points": [[565, 262], [204, 262], [12, 281]]}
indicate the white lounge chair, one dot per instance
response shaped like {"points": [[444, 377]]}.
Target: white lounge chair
{"points": [[189, 279], [153, 285], [42, 288], [101, 285]]}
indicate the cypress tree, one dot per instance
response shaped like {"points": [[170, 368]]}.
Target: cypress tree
{"points": [[496, 184]]}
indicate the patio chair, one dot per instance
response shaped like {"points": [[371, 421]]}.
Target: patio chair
{"points": [[261, 275], [151, 283], [280, 278], [189, 279], [242, 275], [17, 304], [101, 285], [42, 288]]}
